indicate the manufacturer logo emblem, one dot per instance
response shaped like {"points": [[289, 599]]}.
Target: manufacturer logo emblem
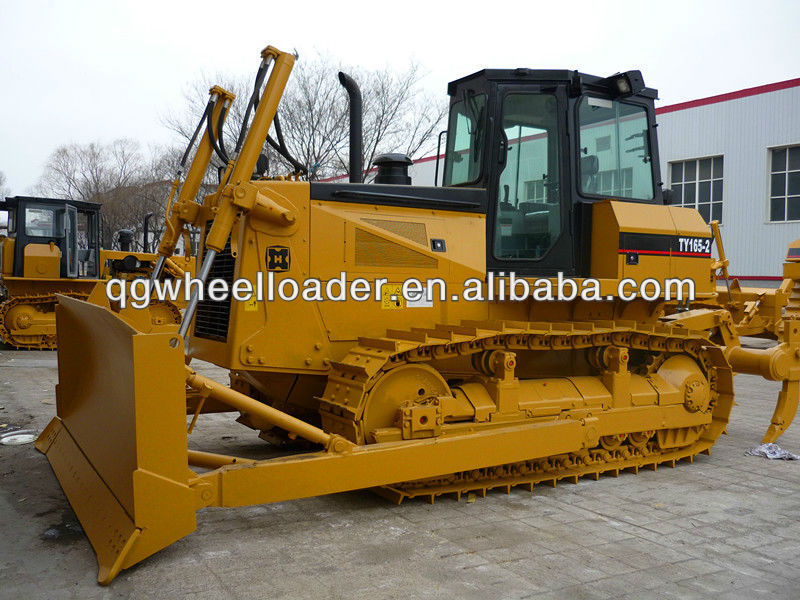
{"points": [[278, 258]]}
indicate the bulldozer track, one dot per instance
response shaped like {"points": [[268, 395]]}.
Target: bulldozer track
{"points": [[49, 342], [45, 342], [351, 380]]}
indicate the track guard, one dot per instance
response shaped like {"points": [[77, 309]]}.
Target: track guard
{"points": [[118, 444]]}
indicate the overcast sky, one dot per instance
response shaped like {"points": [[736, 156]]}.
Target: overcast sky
{"points": [[83, 71]]}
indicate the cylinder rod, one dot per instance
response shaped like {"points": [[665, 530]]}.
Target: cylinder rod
{"points": [[248, 405], [188, 314], [157, 270]]}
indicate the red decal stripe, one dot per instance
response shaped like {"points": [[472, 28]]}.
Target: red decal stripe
{"points": [[666, 253]]}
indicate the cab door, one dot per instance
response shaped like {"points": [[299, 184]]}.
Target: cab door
{"points": [[529, 217]]}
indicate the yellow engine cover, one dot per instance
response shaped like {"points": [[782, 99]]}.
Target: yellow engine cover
{"points": [[642, 241]]}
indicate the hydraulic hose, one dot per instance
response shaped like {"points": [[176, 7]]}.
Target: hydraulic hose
{"points": [[281, 148], [220, 121], [213, 138], [253, 102], [204, 119], [206, 112]]}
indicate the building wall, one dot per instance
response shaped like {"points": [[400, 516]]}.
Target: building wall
{"points": [[741, 130]]}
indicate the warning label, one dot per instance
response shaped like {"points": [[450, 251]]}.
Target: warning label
{"points": [[392, 296]]}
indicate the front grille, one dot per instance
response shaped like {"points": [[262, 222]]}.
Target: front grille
{"points": [[212, 317]]}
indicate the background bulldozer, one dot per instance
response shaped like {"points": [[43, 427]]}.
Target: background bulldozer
{"points": [[52, 246], [545, 172]]}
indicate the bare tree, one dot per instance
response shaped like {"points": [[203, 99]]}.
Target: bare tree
{"points": [[4, 189], [127, 182], [398, 115], [84, 171]]}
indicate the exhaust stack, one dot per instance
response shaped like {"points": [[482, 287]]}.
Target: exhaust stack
{"points": [[354, 93], [146, 241]]}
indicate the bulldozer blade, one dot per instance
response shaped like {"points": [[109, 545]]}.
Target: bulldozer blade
{"points": [[785, 410], [118, 442]]}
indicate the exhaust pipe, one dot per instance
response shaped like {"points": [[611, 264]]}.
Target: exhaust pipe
{"points": [[146, 241], [353, 91]]}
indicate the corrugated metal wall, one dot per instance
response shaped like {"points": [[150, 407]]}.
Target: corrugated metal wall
{"points": [[742, 130]]}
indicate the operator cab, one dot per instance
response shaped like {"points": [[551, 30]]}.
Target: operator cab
{"points": [[71, 225], [511, 133]]}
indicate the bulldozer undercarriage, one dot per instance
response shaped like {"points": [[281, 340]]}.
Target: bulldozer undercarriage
{"points": [[23, 318], [27, 322], [646, 436]]}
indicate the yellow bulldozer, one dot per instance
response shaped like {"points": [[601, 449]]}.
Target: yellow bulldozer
{"points": [[51, 246], [547, 174]]}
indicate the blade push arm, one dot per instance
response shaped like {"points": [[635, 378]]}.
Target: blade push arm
{"points": [[237, 194], [184, 210]]}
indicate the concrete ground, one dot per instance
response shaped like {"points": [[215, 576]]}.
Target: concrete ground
{"points": [[727, 526]]}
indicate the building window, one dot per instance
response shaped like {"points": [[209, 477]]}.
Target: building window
{"points": [[613, 182], [535, 191], [784, 185], [697, 184]]}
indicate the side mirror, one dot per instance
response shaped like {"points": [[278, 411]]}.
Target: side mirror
{"points": [[668, 195], [590, 165], [589, 168]]}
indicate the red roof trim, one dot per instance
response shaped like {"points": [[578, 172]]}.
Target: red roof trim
{"points": [[346, 176], [754, 277], [753, 91], [428, 158]]}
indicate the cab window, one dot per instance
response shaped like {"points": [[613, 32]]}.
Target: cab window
{"points": [[465, 140], [528, 218], [6, 222], [40, 222], [615, 159]]}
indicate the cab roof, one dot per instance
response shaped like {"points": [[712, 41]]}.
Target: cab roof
{"points": [[13, 202], [525, 75]]}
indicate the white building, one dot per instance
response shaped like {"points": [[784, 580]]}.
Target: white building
{"points": [[736, 158]]}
